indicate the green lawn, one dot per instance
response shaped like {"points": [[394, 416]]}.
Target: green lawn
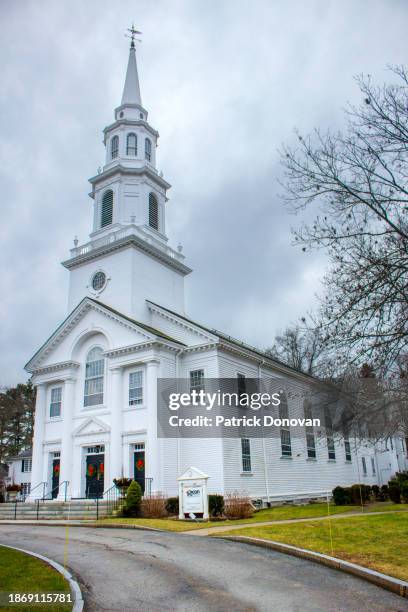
{"points": [[378, 542], [21, 573], [278, 513]]}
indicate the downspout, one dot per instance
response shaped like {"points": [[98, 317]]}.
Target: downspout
{"points": [[266, 475]]}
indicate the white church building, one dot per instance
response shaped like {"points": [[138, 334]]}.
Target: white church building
{"points": [[96, 375]]}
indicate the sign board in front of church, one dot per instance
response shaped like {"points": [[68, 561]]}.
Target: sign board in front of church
{"points": [[193, 499]]}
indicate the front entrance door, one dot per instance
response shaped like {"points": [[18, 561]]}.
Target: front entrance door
{"points": [[139, 463], [55, 478], [94, 475]]}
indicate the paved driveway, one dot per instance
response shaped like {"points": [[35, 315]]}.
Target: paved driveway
{"points": [[149, 571]]}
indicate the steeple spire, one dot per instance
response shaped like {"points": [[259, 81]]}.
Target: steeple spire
{"points": [[131, 90]]}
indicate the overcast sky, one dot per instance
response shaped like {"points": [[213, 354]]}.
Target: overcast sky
{"points": [[225, 83]]}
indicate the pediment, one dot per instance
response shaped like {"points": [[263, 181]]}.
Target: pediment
{"points": [[92, 425], [193, 473], [89, 316]]}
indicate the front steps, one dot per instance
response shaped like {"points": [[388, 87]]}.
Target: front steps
{"points": [[74, 510]]}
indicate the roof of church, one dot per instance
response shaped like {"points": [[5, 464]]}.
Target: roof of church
{"points": [[234, 341], [147, 328]]}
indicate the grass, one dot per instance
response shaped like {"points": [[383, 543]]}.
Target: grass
{"points": [[377, 542], [278, 513], [21, 573]]}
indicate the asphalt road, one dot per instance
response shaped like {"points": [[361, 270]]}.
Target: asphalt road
{"points": [[152, 571]]}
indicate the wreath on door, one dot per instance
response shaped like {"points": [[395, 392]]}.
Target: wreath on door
{"points": [[139, 465], [91, 470], [56, 469], [101, 470]]}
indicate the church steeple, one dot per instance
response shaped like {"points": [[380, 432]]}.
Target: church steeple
{"points": [[128, 241], [131, 90]]}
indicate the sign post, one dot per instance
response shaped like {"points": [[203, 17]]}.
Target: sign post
{"points": [[193, 495]]}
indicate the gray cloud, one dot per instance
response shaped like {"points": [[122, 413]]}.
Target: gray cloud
{"points": [[225, 82]]}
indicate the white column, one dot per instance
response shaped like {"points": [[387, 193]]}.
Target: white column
{"points": [[152, 450], [67, 442], [38, 459], [115, 447]]}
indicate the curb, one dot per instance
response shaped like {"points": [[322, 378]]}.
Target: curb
{"points": [[73, 584], [399, 587], [91, 525]]}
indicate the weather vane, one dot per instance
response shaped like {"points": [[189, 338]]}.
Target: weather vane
{"points": [[132, 35]]}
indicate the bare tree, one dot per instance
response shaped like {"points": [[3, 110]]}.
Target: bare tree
{"points": [[304, 349], [359, 182]]}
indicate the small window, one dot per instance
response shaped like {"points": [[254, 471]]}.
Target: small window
{"points": [[196, 380], [114, 147], [363, 461], [107, 208], [135, 388], [148, 149], [310, 437], [347, 450], [98, 281], [131, 144], [55, 405], [286, 442], [94, 376], [95, 450], [373, 465], [25, 489], [246, 455], [241, 384], [153, 211], [26, 465]]}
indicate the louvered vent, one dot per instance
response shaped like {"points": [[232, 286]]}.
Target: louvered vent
{"points": [[107, 208], [153, 211]]}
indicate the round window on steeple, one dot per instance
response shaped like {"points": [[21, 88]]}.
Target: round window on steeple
{"points": [[98, 281]]}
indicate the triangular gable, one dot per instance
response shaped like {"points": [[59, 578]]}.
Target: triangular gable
{"points": [[143, 332], [92, 426], [193, 473]]}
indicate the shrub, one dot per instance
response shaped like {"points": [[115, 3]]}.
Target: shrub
{"points": [[341, 496], [360, 493], [237, 506], [215, 505], [133, 500], [401, 477], [154, 506], [394, 491], [384, 493], [375, 490], [172, 506], [404, 491]]}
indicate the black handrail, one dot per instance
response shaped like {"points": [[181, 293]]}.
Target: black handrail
{"points": [[148, 487], [45, 495], [111, 498]]}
